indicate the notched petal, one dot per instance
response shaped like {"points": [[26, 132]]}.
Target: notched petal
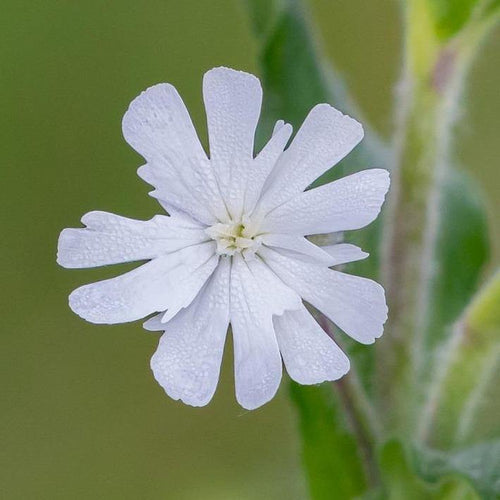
{"points": [[309, 354], [351, 202], [187, 361]]}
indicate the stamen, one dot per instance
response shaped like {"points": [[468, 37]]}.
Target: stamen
{"points": [[235, 237]]}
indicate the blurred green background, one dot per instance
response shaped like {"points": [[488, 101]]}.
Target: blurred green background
{"points": [[82, 416]]}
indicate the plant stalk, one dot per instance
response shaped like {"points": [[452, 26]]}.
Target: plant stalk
{"points": [[359, 414], [426, 110]]}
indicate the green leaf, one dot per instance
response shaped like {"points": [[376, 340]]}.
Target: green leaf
{"points": [[468, 402], [462, 250], [262, 14], [401, 481], [452, 16], [443, 35], [484, 313], [328, 450], [479, 464]]}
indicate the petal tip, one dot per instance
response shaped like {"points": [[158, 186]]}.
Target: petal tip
{"points": [[226, 72], [63, 256], [77, 303], [330, 111], [178, 393], [252, 400]]}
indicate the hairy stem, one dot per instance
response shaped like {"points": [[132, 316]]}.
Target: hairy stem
{"points": [[364, 440], [359, 414], [427, 105]]}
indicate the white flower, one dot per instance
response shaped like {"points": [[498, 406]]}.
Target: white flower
{"points": [[233, 249]]}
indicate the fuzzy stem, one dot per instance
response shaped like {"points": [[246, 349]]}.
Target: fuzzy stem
{"points": [[426, 104], [365, 441], [412, 222], [359, 413]]}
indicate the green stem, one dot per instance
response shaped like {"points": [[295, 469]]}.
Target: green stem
{"points": [[359, 414], [432, 81], [366, 444], [412, 221]]}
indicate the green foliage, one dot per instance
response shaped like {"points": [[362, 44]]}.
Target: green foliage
{"points": [[402, 482], [444, 35], [452, 16], [468, 405], [485, 313], [479, 464], [295, 77], [462, 251], [458, 360], [451, 384], [452, 363], [329, 451]]}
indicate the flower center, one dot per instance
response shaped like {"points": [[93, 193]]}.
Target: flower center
{"points": [[233, 237]]}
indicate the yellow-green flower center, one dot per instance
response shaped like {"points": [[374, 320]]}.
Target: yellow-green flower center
{"points": [[233, 237]]}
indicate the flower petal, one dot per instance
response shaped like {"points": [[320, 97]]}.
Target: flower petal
{"points": [[277, 126], [158, 126], [257, 361], [187, 361], [309, 354], [326, 136], [169, 283], [259, 170], [112, 239], [154, 324], [300, 245], [232, 100], [343, 253], [275, 295], [356, 305], [348, 203]]}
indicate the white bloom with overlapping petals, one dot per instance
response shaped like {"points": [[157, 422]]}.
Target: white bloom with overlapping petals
{"points": [[233, 249]]}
